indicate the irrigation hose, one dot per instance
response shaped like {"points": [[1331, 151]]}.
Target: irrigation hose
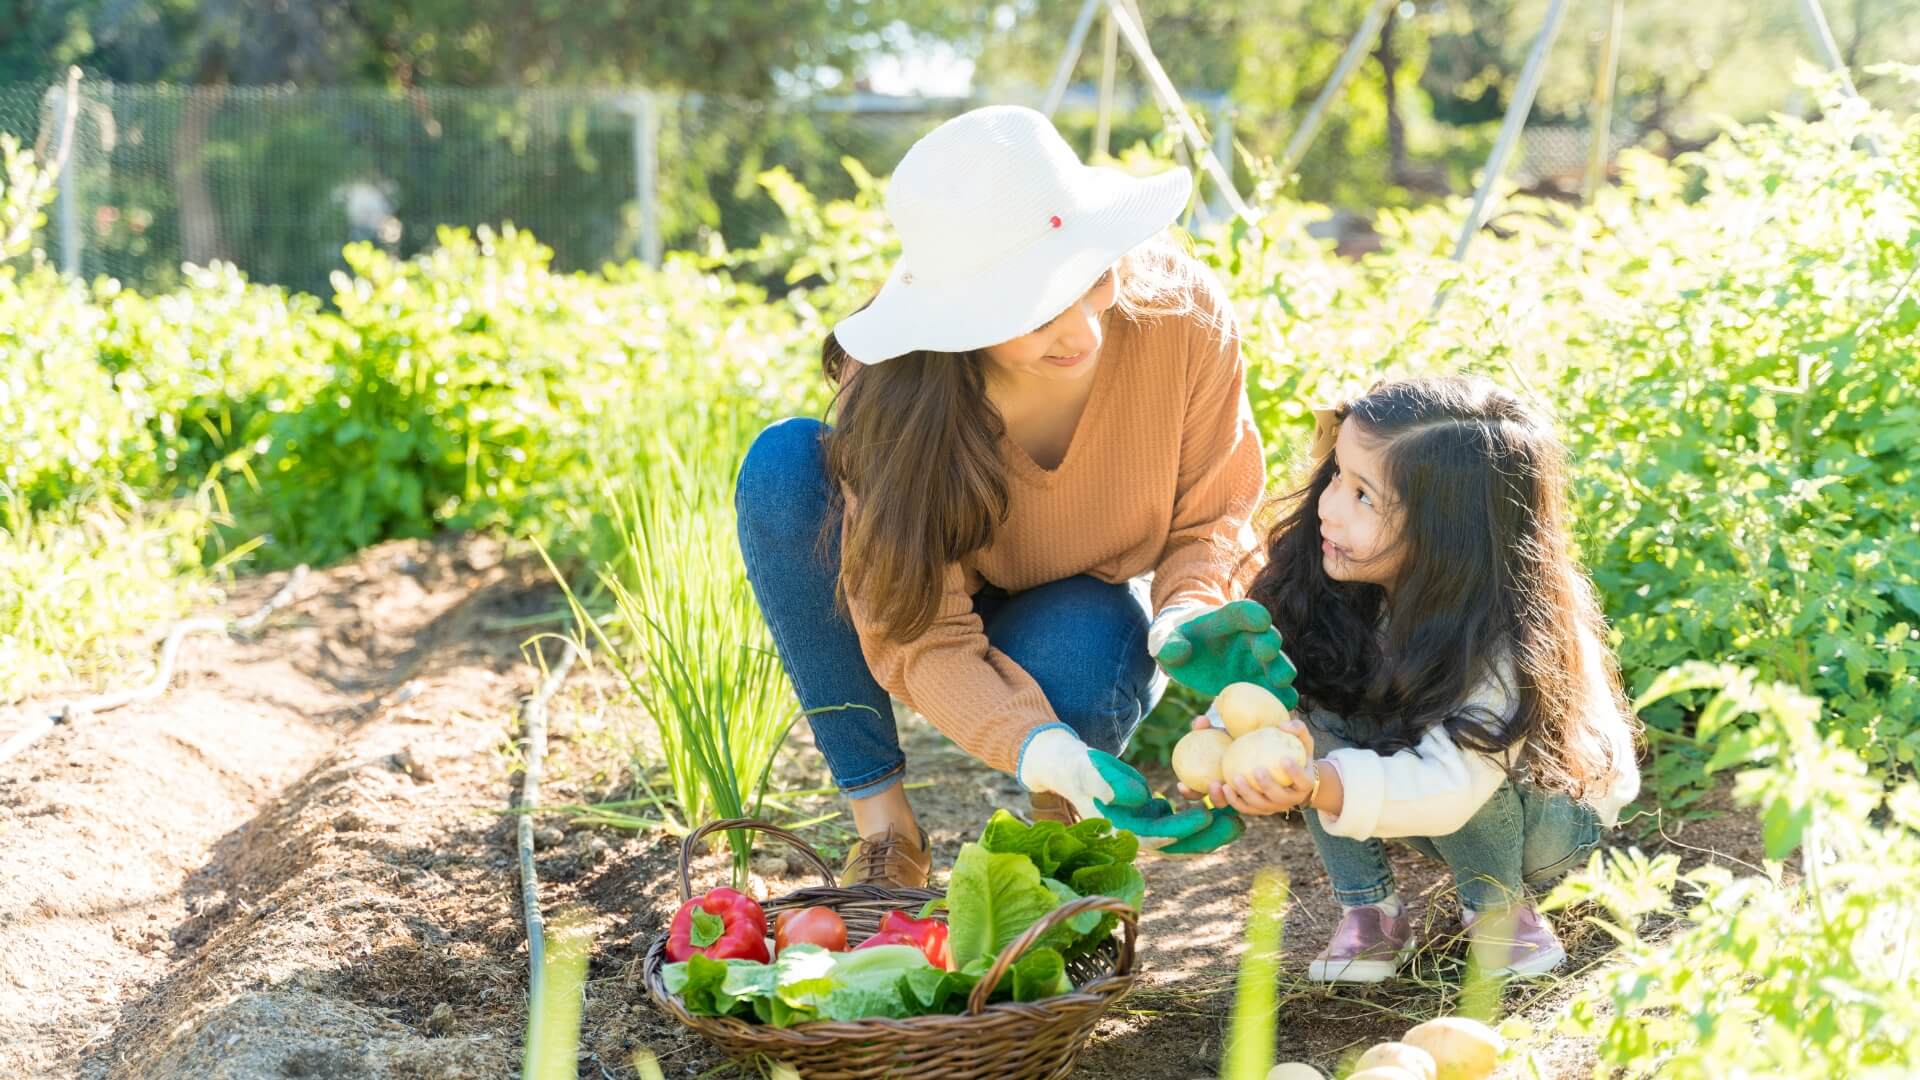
{"points": [[533, 722], [162, 676]]}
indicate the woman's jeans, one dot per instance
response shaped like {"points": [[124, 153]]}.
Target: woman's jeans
{"points": [[1521, 836], [1083, 640]]}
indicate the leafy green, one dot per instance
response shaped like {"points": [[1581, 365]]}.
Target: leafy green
{"points": [[991, 900], [1804, 974], [1040, 973], [1016, 873], [808, 983]]}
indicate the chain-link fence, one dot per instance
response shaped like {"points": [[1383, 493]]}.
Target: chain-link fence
{"points": [[277, 180]]}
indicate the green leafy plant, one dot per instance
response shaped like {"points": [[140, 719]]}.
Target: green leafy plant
{"points": [[1804, 970], [688, 640]]}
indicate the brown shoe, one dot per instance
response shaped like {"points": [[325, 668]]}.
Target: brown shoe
{"points": [[1046, 806], [889, 860]]}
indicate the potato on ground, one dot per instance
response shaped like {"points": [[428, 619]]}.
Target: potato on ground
{"points": [[1400, 1056], [1463, 1049]]}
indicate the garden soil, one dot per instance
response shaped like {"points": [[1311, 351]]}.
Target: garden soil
{"points": [[297, 863]]}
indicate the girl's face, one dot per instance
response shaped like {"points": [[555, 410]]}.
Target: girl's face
{"points": [[1359, 526], [1062, 350]]}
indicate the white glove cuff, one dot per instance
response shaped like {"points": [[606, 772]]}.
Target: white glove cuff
{"points": [[1037, 752]]}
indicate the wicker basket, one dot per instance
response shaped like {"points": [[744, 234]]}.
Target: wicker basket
{"points": [[1005, 1041]]}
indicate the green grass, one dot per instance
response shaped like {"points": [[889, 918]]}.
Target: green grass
{"points": [[86, 589]]}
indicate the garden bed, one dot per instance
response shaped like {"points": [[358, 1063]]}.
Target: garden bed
{"points": [[293, 864]]}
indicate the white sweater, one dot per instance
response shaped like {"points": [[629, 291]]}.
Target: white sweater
{"points": [[1433, 787]]}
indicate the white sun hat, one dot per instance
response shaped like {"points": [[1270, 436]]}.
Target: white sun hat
{"points": [[1001, 228]]}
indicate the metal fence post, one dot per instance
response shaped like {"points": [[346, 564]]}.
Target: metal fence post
{"points": [[69, 209], [646, 168]]}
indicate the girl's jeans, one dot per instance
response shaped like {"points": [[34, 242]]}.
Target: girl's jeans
{"points": [[1083, 640], [1522, 836]]}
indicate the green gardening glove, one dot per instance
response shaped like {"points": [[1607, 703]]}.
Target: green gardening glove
{"points": [[1156, 820], [1224, 829], [1129, 787], [1153, 820], [1233, 643]]}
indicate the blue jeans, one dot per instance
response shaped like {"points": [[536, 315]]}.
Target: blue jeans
{"points": [[1521, 837], [1084, 641]]}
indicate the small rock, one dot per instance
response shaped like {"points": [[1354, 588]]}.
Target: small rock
{"points": [[548, 836], [349, 822], [411, 763], [483, 554], [593, 848], [770, 864], [441, 1022]]}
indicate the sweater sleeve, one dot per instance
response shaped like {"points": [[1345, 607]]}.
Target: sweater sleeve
{"points": [[1211, 551], [972, 692]]}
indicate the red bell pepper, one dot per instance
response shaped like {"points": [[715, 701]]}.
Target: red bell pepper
{"points": [[927, 935], [722, 925]]}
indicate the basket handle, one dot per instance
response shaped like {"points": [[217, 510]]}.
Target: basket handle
{"points": [[812, 857], [1129, 922]]}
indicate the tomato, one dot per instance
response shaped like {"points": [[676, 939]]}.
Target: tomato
{"points": [[813, 926]]}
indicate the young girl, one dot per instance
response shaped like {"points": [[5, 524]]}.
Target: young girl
{"points": [[1451, 670]]}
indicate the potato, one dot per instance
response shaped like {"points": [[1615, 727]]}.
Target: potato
{"points": [[1196, 758], [1245, 706], [1463, 1049], [1384, 1072], [1261, 749], [1294, 1070], [1400, 1056]]}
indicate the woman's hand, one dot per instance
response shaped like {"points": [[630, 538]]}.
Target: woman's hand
{"points": [[1057, 760], [1264, 792]]}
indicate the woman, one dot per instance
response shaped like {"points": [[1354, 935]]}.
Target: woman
{"points": [[1043, 469]]}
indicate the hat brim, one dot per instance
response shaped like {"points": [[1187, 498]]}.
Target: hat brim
{"points": [[1027, 289]]}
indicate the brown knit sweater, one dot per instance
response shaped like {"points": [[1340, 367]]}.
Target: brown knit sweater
{"points": [[1164, 474]]}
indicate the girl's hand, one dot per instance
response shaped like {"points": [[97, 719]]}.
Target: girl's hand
{"points": [[1263, 794]]}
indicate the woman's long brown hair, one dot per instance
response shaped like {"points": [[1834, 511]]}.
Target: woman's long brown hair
{"points": [[914, 450]]}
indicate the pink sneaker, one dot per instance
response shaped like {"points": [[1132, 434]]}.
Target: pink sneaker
{"points": [[1368, 946], [1516, 941]]}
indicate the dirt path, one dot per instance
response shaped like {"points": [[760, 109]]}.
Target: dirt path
{"points": [[292, 865], [282, 867]]}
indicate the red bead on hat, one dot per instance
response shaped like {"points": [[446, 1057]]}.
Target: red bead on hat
{"points": [[1054, 221]]}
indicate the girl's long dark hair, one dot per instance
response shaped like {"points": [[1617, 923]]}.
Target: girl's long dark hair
{"points": [[1478, 489]]}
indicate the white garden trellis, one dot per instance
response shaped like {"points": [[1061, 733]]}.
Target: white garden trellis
{"points": [[1124, 22]]}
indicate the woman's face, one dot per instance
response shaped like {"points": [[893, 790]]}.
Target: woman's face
{"points": [[1358, 523], [1064, 349]]}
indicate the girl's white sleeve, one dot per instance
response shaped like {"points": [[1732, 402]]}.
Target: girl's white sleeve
{"points": [[1431, 789]]}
